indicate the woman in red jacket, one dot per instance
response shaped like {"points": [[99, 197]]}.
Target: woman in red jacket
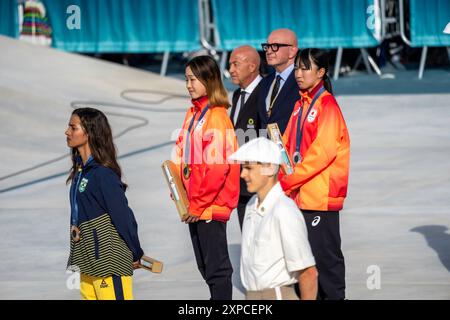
{"points": [[212, 184], [317, 141]]}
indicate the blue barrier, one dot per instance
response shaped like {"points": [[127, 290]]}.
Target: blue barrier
{"points": [[9, 19], [427, 23], [427, 20], [318, 23], [124, 26]]}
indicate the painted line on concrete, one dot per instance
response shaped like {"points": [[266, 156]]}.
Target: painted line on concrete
{"points": [[127, 155]]}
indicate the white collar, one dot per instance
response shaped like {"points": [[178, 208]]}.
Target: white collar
{"points": [[269, 201], [252, 85], [285, 74]]}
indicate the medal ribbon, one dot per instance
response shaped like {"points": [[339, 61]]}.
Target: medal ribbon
{"points": [[187, 148], [73, 196], [300, 129]]}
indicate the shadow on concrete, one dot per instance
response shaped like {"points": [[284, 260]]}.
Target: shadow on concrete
{"points": [[234, 250], [438, 239]]}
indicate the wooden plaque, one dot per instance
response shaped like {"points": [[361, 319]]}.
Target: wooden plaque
{"points": [[151, 264], [275, 136], [176, 187]]}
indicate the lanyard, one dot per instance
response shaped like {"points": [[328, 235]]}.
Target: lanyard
{"points": [[73, 196], [187, 149], [300, 129], [269, 112]]}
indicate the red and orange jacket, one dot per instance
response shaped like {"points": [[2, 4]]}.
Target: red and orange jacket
{"points": [[320, 180], [213, 185]]}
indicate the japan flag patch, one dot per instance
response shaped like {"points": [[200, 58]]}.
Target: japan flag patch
{"points": [[312, 115]]}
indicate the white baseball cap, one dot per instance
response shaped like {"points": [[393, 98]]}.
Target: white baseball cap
{"points": [[258, 150], [447, 28]]}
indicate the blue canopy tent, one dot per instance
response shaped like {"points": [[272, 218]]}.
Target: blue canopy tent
{"points": [[428, 18], [9, 18], [134, 26], [324, 24]]}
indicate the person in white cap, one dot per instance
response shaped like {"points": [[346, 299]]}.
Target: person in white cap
{"points": [[275, 251]]}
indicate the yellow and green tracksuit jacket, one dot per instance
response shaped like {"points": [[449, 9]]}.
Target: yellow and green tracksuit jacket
{"points": [[109, 239]]}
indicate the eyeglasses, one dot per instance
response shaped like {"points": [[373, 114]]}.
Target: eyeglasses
{"points": [[274, 46]]}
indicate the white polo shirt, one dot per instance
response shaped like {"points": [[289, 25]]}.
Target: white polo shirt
{"points": [[274, 242]]}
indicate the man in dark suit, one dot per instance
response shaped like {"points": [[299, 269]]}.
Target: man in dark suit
{"points": [[244, 71], [279, 91]]}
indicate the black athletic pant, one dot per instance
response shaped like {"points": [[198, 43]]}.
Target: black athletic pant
{"points": [[325, 240], [243, 200], [211, 252]]}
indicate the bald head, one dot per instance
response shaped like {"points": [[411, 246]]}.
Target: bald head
{"points": [[244, 65], [248, 53], [285, 55], [285, 35]]}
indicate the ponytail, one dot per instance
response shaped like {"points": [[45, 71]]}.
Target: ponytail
{"points": [[327, 83]]}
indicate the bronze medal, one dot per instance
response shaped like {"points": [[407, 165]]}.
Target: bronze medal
{"points": [[75, 233], [186, 171]]}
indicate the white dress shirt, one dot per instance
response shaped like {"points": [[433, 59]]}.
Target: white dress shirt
{"points": [[284, 75], [274, 242], [248, 91]]}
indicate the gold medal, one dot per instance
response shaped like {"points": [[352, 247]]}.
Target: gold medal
{"points": [[75, 233], [186, 171]]}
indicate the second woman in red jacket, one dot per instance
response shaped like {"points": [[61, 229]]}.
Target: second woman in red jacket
{"points": [[212, 184], [318, 142]]}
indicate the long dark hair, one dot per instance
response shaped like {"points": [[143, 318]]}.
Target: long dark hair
{"points": [[320, 58], [207, 71], [96, 126]]}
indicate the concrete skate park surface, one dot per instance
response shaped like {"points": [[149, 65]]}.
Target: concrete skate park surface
{"points": [[394, 226]]}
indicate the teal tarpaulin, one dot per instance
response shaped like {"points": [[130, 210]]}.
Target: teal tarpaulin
{"points": [[9, 19], [317, 23], [124, 26], [428, 20]]}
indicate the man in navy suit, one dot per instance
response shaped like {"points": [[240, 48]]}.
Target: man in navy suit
{"points": [[279, 91], [244, 71]]}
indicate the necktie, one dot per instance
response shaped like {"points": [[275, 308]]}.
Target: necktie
{"points": [[239, 107], [275, 90]]}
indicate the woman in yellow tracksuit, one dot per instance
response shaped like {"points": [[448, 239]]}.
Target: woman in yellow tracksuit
{"points": [[104, 245], [318, 142]]}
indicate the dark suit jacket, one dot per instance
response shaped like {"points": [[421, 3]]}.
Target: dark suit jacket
{"points": [[284, 104], [247, 125]]}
